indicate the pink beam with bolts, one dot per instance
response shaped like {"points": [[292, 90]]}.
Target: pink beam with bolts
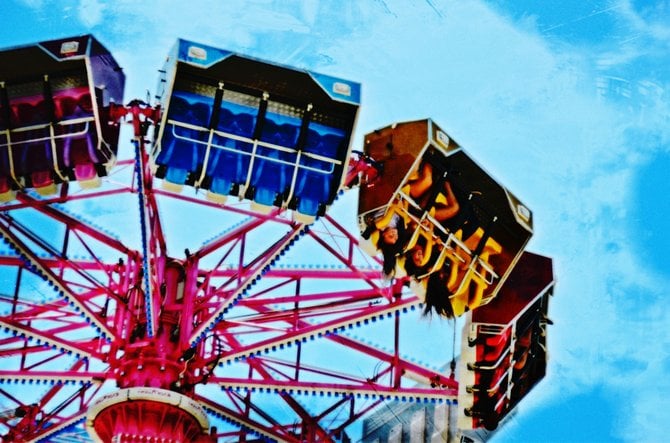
{"points": [[324, 313]]}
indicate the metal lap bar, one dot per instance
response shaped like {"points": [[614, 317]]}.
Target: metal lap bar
{"points": [[332, 161], [425, 214], [274, 160], [4, 100], [213, 122], [6, 118], [489, 329], [49, 100], [52, 136], [176, 123], [300, 145], [494, 388], [276, 148], [253, 154], [467, 279], [93, 156], [492, 365], [504, 398], [10, 158], [260, 120], [12, 144]]}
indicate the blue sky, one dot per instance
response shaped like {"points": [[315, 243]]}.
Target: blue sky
{"points": [[564, 101]]}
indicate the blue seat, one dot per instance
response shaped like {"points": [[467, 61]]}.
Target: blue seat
{"points": [[183, 149], [288, 133], [272, 167], [313, 185], [331, 146], [237, 120], [315, 178], [179, 108], [229, 160]]}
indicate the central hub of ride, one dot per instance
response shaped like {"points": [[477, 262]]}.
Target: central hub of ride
{"points": [[165, 358], [157, 372], [148, 414]]}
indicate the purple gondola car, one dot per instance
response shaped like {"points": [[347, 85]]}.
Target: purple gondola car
{"points": [[54, 102]]}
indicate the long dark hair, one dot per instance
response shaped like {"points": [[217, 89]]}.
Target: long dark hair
{"points": [[437, 294]]}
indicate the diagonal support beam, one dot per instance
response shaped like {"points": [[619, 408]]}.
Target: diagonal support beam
{"points": [[38, 265]]}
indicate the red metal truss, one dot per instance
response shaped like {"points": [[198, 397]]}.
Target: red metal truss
{"points": [[257, 317]]}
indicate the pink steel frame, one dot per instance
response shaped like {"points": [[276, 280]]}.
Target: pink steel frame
{"points": [[227, 316]]}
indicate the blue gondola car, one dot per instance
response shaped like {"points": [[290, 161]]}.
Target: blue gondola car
{"points": [[235, 125], [54, 102]]}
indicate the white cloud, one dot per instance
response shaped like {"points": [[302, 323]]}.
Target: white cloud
{"points": [[648, 18], [91, 12], [530, 113], [547, 120]]}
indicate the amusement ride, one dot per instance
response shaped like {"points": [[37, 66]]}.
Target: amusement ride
{"points": [[206, 283]]}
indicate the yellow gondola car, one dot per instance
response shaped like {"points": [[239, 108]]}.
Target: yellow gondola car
{"points": [[438, 218]]}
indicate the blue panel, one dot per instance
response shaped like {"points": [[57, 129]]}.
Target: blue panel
{"points": [[313, 185], [315, 177], [229, 163], [197, 53], [272, 175], [338, 89], [184, 148], [326, 141], [280, 130]]}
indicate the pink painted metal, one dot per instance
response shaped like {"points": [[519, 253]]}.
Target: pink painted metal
{"points": [[268, 350]]}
